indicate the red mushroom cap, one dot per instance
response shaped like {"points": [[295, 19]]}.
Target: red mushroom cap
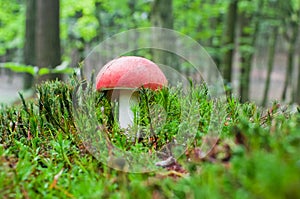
{"points": [[130, 72]]}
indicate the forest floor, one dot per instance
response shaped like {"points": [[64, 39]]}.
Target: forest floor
{"points": [[10, 85]]}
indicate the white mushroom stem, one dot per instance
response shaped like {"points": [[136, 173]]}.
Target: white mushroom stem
{"points": [[127, 99]]}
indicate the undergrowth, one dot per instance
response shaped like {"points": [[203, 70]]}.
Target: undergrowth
{"points": [[43, 155]]}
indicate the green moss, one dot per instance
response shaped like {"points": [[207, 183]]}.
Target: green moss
{"points": [[43, 156]]}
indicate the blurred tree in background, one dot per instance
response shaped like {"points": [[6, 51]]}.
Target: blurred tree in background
{"points": [[290, 12], [29, 44], [236, 33], [48, 50], [162, 16], [229, 41], [249, 13]]}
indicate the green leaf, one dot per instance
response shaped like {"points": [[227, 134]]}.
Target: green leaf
{"points": [[44, 71], [19, 68]]}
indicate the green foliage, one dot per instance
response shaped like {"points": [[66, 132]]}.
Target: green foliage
{"points": [[201, 16], [12, 23]]}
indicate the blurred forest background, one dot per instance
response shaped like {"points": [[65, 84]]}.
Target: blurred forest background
{"points": [[255, 43]]}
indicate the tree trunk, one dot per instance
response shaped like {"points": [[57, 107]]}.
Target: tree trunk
{"points": [[246, 61], [290, 60], [248, 41], [271, 55], [228, 42], [98, 11], [29, 46], [132, 5], [48, 41], [162, 13], [297, 100], [162, 16], [245, 64], [214, 23]]}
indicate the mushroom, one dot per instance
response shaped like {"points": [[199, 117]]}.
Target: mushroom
{"points": [[123, 76]]}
